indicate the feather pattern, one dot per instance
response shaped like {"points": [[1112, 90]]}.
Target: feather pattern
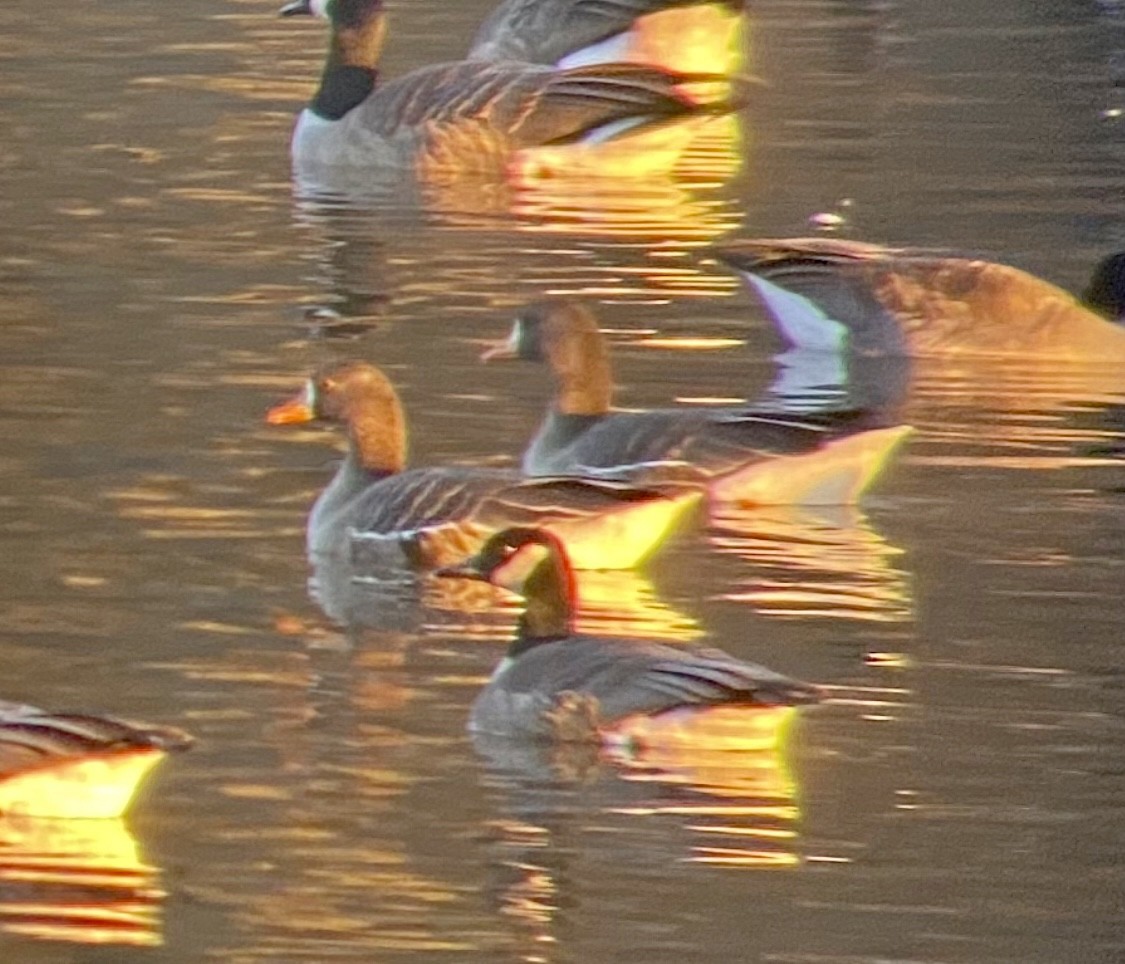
{"points": [[581, 434], [31, 738], [898, 301], [379, 513], [546, 31], [550, 667]]}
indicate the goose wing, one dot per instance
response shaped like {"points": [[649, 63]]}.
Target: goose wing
{"points": [[878, 300], [531, 106], [684, 445], [544, 31], [421, 499], [629, 677], [823, 294], [31, 738]]}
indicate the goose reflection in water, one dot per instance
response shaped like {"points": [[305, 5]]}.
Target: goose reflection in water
{"points": [[655, 812], [824, 561], [611, 603], [77, 881]]}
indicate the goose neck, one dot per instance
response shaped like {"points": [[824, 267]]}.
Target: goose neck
{"points": [[549, 611], [350, 69], [583, 380], [378, 444]]}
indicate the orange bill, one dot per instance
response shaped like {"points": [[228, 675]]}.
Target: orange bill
{"points": [[291, 412]]}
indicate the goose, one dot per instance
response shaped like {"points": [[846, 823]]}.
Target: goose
{"points": [[480, 116], [76, 764], [837, 295], [679, 34], [377, 510], [557, 684], [733, 453]]}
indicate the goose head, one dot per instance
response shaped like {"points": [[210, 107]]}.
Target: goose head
{"points": [[359, 396], [1106, 292], [564, 335], [531, 563]]}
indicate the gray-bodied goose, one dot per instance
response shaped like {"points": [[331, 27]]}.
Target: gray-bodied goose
{"points": [[735, 453], [76, 764], [558, 684], [376, 509], [838, 295], [681, 34], [478, 115]]}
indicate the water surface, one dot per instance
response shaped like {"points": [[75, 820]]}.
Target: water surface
{"points": [[958, 798]]}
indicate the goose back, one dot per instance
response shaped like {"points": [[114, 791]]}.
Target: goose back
{"points": [[569, 32], [841, 295], [618, 679]]}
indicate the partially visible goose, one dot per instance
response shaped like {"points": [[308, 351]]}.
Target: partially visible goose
{"points": [[376, 509], [735, 453], [76, 764], [477, 115], [690, 35], [838, 295], [558, 684]]}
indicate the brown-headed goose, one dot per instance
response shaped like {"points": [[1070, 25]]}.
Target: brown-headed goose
{"points": [[76, 764], [558, 684], [476, 115], [376, 509], [678, 34], [736, 454], [836, 295]]}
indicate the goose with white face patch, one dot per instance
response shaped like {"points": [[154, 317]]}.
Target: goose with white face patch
{"points": [[734, 454], [376, 509], [557, 684], [686, 35]]}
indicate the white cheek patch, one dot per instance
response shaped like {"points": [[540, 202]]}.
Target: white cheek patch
{"points": [[309, 395], [319, 8], [514, 573]]}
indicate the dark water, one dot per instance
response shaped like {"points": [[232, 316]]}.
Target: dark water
{"points": [[958, 799]]}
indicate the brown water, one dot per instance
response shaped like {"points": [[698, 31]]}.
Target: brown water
{"points": [[959, 798]]}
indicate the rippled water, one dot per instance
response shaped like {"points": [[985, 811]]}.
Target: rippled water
{"points": [[957, 800]]}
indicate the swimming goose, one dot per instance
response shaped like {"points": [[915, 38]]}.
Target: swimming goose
{"points": [[558, 684], [76, 764], [733, 452], [678, 34], [476, 115], [837, 295], [375, 509]]}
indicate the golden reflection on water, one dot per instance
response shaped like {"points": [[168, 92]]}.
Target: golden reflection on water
{"points": [[722, 807], [78, 881], [611, 603], [1023, 414], [813, 561]]}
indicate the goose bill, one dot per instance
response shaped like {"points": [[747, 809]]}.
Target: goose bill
{"points": [[300, 408]]}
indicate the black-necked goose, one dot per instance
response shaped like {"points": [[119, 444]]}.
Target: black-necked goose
{"points": [[377, 509], [76, 764], [735, 453], [558, 684], [478, 115], [690, 35], [837, 295]]}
